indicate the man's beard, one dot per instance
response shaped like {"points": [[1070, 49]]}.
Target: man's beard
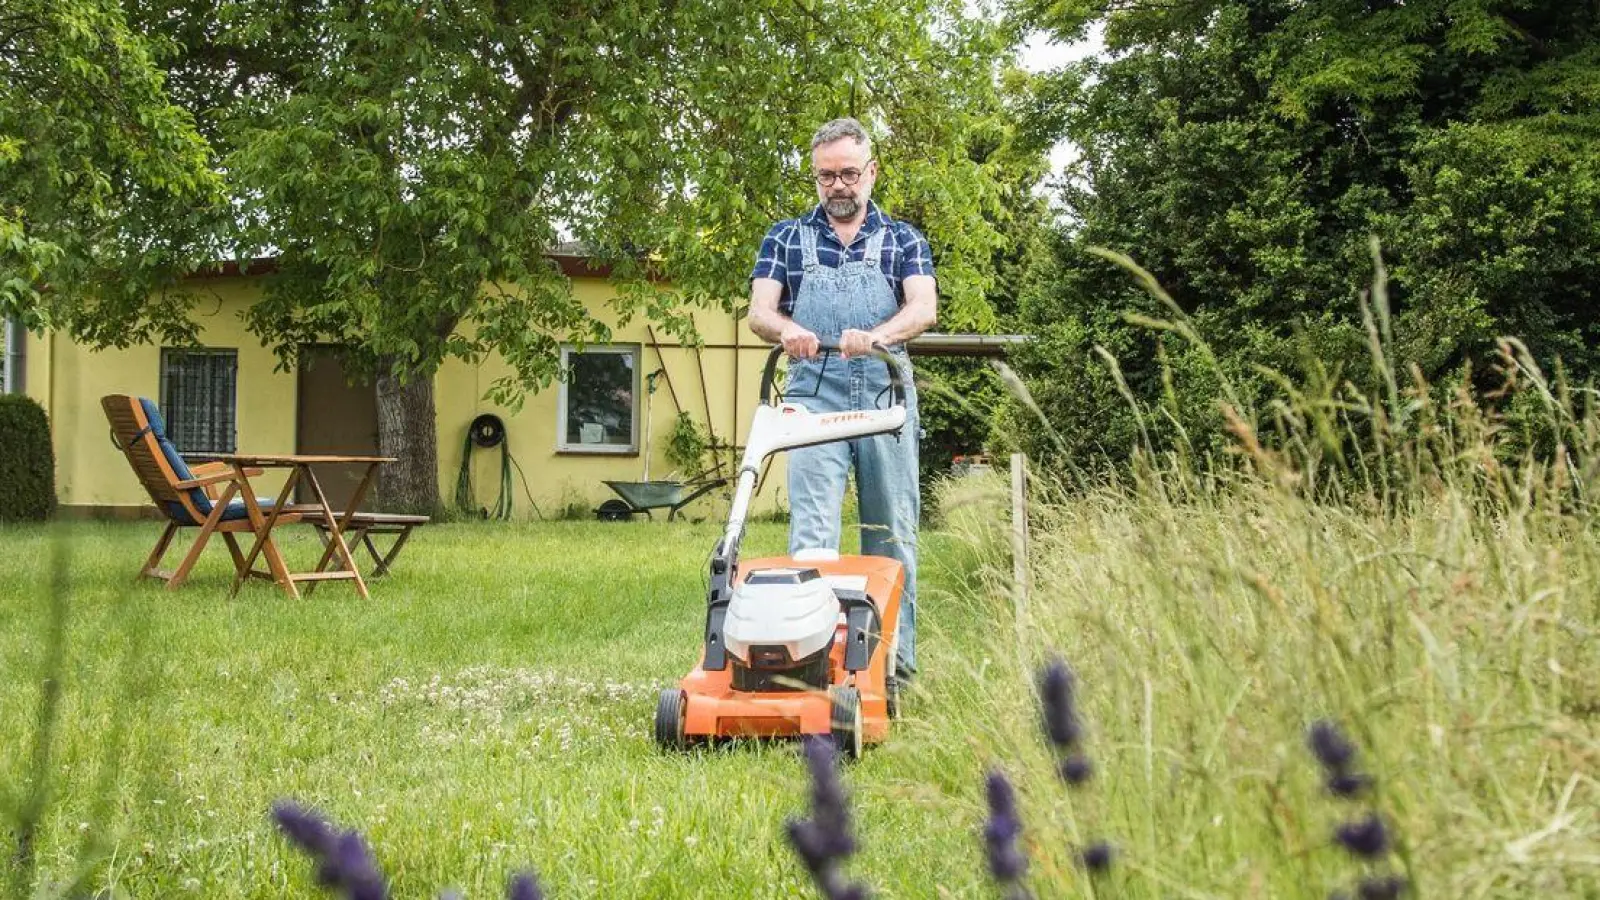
{"points": [[843, 208]]}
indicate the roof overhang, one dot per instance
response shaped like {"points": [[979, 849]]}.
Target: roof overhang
{"points": [[983, 345], [571, 265]]}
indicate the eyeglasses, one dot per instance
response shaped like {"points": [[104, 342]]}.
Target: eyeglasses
{"points": [[848, 176]]}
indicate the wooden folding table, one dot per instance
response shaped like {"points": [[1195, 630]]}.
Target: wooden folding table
{"points": [[300, 467]]}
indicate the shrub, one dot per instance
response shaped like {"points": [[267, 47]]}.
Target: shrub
{"points": [[27, 462], [687, 446]]}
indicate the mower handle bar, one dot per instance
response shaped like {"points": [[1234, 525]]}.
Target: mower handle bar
{"points": [[897, 387]]}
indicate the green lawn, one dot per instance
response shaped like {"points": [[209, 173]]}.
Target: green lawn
{"points": [[489, 708]]}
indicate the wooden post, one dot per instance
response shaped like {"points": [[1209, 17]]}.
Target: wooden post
{"points": [[1019, 540], [662, 357]]}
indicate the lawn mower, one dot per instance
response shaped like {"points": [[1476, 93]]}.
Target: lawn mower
{"points": [[802, 644]]}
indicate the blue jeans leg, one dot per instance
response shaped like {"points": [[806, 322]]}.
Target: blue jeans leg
{"points": [[816, 493], [891, 505]]}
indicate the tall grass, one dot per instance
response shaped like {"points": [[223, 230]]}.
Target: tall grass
{"points": [[1403, 560], [1400, 561]]}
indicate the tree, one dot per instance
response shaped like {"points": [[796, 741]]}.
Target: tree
{"points": [[106, 193], [410, 162], [1244, 151], [961, 394]]}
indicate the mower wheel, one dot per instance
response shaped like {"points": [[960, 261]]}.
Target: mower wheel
{"points": [[846, 722], [671, 710]]}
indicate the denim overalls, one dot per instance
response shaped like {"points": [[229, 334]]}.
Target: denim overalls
{"points": [[855, 295]]}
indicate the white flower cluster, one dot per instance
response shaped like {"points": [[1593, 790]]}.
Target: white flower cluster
{"points": [[484, 705]]}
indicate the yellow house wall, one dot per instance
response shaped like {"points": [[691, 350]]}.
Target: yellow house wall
{"points": [[69, 381], [91, 474], [556, 479]]}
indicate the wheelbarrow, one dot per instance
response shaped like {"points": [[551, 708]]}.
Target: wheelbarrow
{"points": [[643, 496]]}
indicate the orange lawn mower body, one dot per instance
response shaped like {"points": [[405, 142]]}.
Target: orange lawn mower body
{"points": [[802, 644]]}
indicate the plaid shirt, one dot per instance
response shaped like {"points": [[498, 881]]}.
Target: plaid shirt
{"points": [[905, 252]]}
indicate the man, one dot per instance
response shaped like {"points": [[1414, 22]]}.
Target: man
{"points": [[847, 274]]}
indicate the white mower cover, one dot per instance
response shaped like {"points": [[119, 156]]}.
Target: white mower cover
{"points": [[790, 425], [799, 617]]}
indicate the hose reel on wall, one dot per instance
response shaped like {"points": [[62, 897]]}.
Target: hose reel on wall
{"points": [[489, 431]]}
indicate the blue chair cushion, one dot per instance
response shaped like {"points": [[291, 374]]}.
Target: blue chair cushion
{"points": [[236, 509]]}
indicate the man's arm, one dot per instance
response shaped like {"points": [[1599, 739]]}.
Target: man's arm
{"points": [[920, 312], [773, 326], [916, 315]]}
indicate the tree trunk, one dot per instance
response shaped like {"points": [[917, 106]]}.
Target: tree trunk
{"points": [[408, 431]]}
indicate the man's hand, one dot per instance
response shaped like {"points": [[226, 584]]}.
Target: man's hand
{"points": [[799, 342], [854, 342]]}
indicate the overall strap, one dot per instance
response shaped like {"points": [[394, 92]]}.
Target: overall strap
{"points": [[874, 251], [808, 246]]}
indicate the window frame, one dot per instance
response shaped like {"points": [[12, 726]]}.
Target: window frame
{"points": [[563, 446], [168, 408]]}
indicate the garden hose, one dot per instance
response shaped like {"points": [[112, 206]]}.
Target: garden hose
{"points": [[489, 431]]}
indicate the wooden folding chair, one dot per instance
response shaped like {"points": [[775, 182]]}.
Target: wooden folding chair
{"points": [[200, 497]]}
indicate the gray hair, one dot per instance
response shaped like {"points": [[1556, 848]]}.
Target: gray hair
{"points": [[839, 129]]}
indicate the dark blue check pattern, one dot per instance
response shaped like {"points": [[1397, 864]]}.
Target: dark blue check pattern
{"points": [[781, 259]]}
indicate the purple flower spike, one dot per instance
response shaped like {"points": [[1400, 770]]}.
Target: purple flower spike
{"points": [[1366, 837], [304, 828], [1060, 708], [1006, 861], [1330, 746], [1097, 857], [352, 868], [851, 892], [1349, 785], [1381, 887], [343, 862], [1076, 769], [524, 887], [810, 844], [829, 808], [824, 840]]}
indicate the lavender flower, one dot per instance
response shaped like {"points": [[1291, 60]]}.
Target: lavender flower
{"points": [[1060, 708], [1064, 729], [1365, 837], [305, 829], [824, 841], [1076, 769], [1097, 857], [1006, 861], [1330, 746], [524, 887], [1337, 755], [1381, 887], [1348, 785], [343, 861]]}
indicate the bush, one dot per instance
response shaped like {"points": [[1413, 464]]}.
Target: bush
{"points": [[27, 462]]}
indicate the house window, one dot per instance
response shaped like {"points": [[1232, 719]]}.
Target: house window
{"points": [[197, 398], [598, 410], [11, 374]]}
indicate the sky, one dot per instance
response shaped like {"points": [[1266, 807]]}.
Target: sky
{"points": [[1040, 54]]}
